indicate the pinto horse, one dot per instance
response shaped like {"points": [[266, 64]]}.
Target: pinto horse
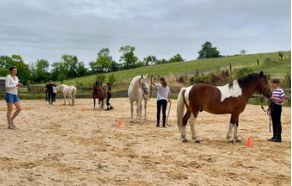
{"points": [[99, 93], [229, 99]]}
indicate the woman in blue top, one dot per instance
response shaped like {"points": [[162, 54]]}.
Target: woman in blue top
{"points": [[11, 86], [163, 96]]}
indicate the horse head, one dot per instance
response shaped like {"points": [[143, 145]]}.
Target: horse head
{"points": [[144, 84], [264, 87], [60, 88], [98, 90]]}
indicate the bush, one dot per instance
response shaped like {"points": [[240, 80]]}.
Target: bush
{"points": [[243, 72], [267, 60], [112, 79], [100, 77]]}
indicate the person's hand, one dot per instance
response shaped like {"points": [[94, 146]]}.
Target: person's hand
{"points": [[20, 85], [169, 100]]}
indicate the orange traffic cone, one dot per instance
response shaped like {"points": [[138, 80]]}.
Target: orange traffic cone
{"points": [[120, 123], [249, 143], [41, 100], [63, 103], [82, 109]]}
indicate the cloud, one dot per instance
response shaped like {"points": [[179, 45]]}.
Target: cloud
{"points": [[50, 28]]}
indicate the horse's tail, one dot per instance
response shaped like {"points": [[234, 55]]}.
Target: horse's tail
{"points": [[73, 95], [180, 109]]}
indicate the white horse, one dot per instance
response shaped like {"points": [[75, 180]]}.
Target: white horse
{"points": [[69, 91], [138, 87]]}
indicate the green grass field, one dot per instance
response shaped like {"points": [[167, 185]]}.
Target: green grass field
{"points": [[276, 68]]}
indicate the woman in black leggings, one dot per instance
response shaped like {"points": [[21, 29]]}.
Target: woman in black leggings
{"points": [[163, 96]]}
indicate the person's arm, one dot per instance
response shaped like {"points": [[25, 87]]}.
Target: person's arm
{"points": [[169, 97], [280, 100], [152, 79], [7, 86]]}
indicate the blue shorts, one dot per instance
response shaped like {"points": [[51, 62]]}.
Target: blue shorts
{"points": [[11, 98]]}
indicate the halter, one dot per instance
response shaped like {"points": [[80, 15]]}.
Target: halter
{"points": [[143, 88]]}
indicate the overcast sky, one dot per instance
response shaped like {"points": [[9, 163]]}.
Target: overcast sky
{"points": [[47, 29]]}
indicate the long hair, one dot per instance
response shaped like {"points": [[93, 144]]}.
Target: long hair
{"points": [[163, 82]]}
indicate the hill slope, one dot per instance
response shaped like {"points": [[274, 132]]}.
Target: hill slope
{"points": [[275, 69]]}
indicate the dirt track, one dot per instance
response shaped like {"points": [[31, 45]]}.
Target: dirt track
{"points": [[62, 145]]}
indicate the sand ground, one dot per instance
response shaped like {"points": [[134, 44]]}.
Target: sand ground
{"points": [[62, 145]]}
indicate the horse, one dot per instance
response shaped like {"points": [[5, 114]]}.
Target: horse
{"points": [[68, 91], [138, 88], [100, 93], [229, 99]]}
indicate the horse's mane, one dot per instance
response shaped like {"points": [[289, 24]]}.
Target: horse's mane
{"points": [[246, 80]]}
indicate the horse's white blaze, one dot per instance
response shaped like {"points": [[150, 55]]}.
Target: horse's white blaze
{"points": [[227, 92]]}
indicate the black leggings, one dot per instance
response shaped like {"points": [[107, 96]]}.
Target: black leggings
{"points": [[107, 99], [276, 118], [51, 98], [163, 104]]}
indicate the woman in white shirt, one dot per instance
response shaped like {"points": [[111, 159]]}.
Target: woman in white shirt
{"points": [[11, 86], [163, 96]]}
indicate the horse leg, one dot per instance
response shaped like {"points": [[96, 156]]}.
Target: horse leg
{"points": [[185, 121], [235, 132], [132, 110], [100, 103], [103, 103], [145, 107], [64, 100], [138, 111], [233, 120], [93, 104], [192, 123]]}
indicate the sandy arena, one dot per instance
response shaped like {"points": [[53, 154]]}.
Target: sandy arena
{"points": [[62, 145]]}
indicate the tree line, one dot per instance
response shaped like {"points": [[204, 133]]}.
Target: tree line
{"points": [[70, 67]]}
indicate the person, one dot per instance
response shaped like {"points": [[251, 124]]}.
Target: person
{"points": [[46, 92], [11, 85], [277, 99], [109, 95], [50, 92], [163, 97], [54, 91]]}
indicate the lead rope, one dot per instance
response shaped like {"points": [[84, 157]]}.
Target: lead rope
{"points": [[168, 115], [268, 111]]}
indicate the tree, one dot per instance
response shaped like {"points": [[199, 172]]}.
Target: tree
{"points": [[242, 52], [281, 55], [208, 51], [128, 58], [176, 58], [23, 71], [39, 71], [150, 60], [81, 69], [70, 65], [55, 70]]}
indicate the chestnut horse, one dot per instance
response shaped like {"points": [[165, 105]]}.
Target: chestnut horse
{"points": [[229, 99], [100, 93]]}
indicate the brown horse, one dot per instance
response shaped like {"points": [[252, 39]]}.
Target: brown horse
{"points": [[100, 93], [229, 99]]}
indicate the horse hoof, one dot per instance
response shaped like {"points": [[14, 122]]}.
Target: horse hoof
{"points": [[185, 140], [230, 141], [197, 141], [132, 121], [238, 141]]}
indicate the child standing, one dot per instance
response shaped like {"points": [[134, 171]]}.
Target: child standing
{"points": [[278, 98], [109, 95]]}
